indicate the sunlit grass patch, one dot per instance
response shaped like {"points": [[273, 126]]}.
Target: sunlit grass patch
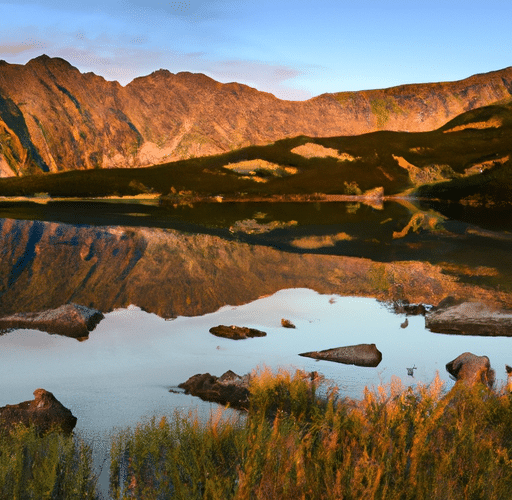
{"points": [[300, 441]]}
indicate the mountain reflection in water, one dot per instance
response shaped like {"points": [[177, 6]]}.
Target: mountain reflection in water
{"points": [[193, 260]]}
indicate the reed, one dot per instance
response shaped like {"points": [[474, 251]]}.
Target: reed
{"points": [[299, 441], [49, 467]]}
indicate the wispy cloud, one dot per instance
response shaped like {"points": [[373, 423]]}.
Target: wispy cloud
{"points": [[272, 77], [20, 48], [125, 57]]}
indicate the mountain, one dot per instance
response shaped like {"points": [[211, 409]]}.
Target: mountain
{"points": [[468, 159], [54, 118]]}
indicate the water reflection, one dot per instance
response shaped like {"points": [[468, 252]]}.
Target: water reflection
{"points": [[190, 261]]}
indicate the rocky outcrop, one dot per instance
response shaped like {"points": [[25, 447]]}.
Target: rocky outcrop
{"points": [[236, 332], [471, 369], [360, 355], [229, 389], [70, 320], [45, 413], [53, 117], [469, 318]]}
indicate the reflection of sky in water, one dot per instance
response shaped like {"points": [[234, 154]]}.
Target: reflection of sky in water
{"points": [[122, 373]]}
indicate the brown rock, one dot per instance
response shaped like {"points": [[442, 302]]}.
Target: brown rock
{"points": [[471, 369], [286, 323], [70, 320], [229, 389], [236, 332], [469, 318], [45, 412], [360, 355]]}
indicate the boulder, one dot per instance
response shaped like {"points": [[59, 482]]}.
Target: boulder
{"points": [[469, 318], [471, 369], [228, 389], [70, 320], [360, 355], [45, 412], [236, 332]]}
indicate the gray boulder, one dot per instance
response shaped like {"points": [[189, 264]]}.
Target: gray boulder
{"points": [[236, 332], [45, 412], [70, 320], [360, 355], [469, 318], [229, 389], [471, 369]]}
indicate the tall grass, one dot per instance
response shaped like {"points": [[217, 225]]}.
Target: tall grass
{"points": [[49, 467], [298, 440], [397, 443]]}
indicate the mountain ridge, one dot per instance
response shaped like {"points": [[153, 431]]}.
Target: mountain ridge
{"points": [[54, 118]]}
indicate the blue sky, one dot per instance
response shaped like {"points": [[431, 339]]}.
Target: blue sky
{"points": [[293, 49]]}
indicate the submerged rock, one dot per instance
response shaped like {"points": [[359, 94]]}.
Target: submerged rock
{"points": [[471, 369], [45, 412], [70, 320], [286, 323], [469, 318], [236, 332], [360, 355], [228, 389]]}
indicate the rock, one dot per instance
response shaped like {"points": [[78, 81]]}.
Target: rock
{"points": [[45, 412], [287, 323], [471, 369], [404, 307], [236, 332], [71, 320], [360, 355], [469, 318], [228, 389]]}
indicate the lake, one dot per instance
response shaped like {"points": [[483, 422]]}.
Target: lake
{"points": [[163, 276]]}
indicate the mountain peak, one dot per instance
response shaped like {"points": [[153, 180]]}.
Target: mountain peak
{"points": [[61, 119]]}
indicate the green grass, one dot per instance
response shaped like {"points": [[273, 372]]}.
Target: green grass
{"points": [[49, 467]]}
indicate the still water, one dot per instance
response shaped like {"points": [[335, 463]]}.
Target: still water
{"points": [[164, 278]]}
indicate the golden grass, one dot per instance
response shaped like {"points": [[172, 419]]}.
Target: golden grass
{"points": [[299, 441]]}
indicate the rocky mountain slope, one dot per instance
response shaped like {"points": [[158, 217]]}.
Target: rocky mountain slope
{"points": [[54, 118], [468, 160]]}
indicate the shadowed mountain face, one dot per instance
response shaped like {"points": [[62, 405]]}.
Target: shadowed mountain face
{"points": [[45, 264], [54, 118]]}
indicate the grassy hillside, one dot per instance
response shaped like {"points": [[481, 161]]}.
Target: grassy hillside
{"points": [[469, 158]]}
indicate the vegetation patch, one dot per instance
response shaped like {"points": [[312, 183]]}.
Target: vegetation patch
{"points": [[494, 122], [259, 170], [300, 439], [315, 242], [50, 467], [312, 150]]}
